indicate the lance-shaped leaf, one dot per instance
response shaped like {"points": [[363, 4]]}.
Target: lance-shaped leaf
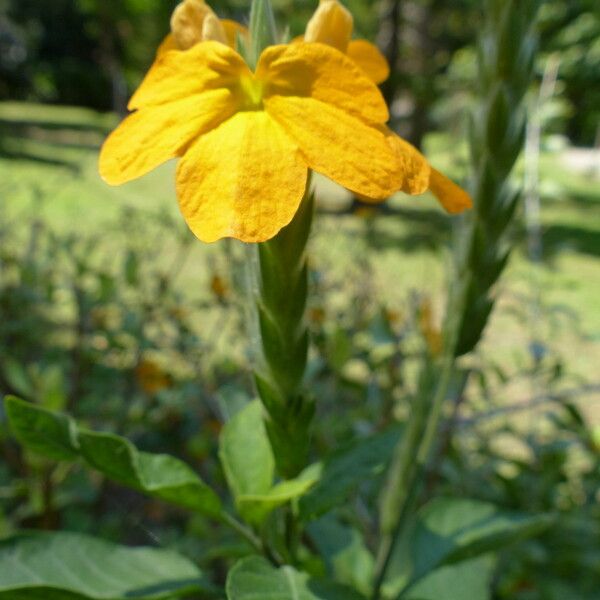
{"points": [[71, 566], [44, 432], [158, 475], [57, 436], [253, 578]]}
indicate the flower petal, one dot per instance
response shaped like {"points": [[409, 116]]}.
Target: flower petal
{"points": [[178, 74], [167, 44], [370, 59], [156, 134], [451, 196], [339, 145], [245, 179], [412, 164], [321, 72]]}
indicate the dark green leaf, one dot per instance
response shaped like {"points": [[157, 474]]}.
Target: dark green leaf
{"points": [[346, 469], [346, 555], [468, 580], [450, 530]]}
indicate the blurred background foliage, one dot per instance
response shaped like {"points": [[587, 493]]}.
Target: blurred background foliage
{"points": [[110, 310]]}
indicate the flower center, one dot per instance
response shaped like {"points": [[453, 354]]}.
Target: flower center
{"points": [[252, 91]]}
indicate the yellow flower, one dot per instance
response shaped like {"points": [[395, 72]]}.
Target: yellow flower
{"points": [[247, 139], [332, 24]]}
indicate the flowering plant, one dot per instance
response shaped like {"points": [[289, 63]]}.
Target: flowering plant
{"points": [[249, 116]]}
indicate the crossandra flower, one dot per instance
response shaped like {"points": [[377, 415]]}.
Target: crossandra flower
{"points": [[247, 139], [333, 24]]}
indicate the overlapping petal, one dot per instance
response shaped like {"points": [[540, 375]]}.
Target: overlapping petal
{"points": [[178, 74], [370, 59], [339, 145], [244, 179], [318, 71], [155, 134], [452, 197]]}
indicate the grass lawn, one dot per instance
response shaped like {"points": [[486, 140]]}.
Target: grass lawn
{"points": [[48, 171]]}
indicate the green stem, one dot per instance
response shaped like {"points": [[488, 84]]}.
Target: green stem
{"points": [[243, 531]]}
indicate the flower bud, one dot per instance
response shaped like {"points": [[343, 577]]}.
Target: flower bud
{"points": [[331, 24], [194, 21]]}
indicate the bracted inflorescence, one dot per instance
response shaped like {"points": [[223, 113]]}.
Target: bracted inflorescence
{"points": [[506, 54]]}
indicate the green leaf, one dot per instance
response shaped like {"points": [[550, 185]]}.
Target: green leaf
{"points": [[346, 469], [469, 579], [56, 436], [254, 578], [158, 475], [71, 566], [346, 555], [42, 431], [246, 454], [257, 507], [450, 530]]}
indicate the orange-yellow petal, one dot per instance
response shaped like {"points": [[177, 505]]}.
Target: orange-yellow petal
{"points": [[331, 24], [338, 145], [412, 164], [370, 59], [167, 44], [233, 30], [178, 74], [452, 197], [245, 179], [321, 72], [153, 135]]}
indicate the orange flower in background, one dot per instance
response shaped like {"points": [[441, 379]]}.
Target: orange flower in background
{"points": [[332, 24], [151, 378], [429, 330], [247, 139]]}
